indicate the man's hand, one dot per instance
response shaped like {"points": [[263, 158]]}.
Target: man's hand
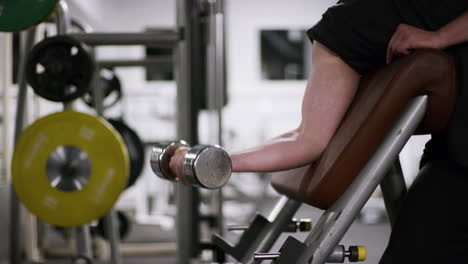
{"points": [[407, 38], [177, 163]]}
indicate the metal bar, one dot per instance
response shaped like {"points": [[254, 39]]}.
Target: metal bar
{"points": [[16, 234], [7, 50], [63, 18], [279, 217], [266, 256], [63, 23], [188, 76], [215, 94], [337, 219], [83, 242], [110, 221], [237, 227], [163, 62], [127, 249], [393, 190], [164, 39], [31, 245]]}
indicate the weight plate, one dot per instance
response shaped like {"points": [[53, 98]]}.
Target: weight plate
{"points": [[16, 15], [60, 69], [135, 146], [123, 222], [111, 88], [82, 156]]}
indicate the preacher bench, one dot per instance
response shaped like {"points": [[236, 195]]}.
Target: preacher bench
{"points": [[415, 94]]}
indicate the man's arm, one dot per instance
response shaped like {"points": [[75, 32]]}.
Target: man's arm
{"points": [[407, 38], [329, 92], [455, 32]]}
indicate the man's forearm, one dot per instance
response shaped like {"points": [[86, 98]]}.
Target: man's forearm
{"points": [[290, 150], [455, 32]]}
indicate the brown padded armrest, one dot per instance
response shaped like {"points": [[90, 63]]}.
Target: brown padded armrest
{"points": [[381, 97]]}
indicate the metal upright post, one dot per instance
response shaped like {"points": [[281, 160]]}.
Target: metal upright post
{"points": [[189, 74], [16, 234], [83, 236], [62, 18], [215, 93], [83, 239], [110, 220], [7, 44]]}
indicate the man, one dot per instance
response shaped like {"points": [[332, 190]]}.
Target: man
{"points": [[353, 38]]}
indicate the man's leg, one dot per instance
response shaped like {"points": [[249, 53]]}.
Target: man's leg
{"points": [[432, 226]]}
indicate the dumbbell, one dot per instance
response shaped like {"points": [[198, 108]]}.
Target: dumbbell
{"points": [[205, 166]]}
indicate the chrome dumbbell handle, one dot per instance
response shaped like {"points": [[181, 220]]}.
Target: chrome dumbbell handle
{"points": [[160, 157], [237, 227], [266, 256], [207, 166]]}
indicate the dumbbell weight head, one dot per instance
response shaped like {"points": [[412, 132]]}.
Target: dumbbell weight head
{"points": [[161, 156], [207, 166]]}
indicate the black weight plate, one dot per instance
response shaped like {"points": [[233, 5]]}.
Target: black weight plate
{"points": [[123, 222], [135, 146], [59, 69], [111, 89]]}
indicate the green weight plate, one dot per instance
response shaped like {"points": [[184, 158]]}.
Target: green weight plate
{"points": [[16, 15]]}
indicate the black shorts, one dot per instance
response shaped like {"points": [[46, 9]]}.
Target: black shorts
{"points": [[358, 31]]}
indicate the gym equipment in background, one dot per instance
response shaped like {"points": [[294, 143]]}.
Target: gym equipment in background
{"points": [[69, 168], [205, 166], [123, 222], [17, 15], [60, 69], [136, 149], [111, 88]]}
